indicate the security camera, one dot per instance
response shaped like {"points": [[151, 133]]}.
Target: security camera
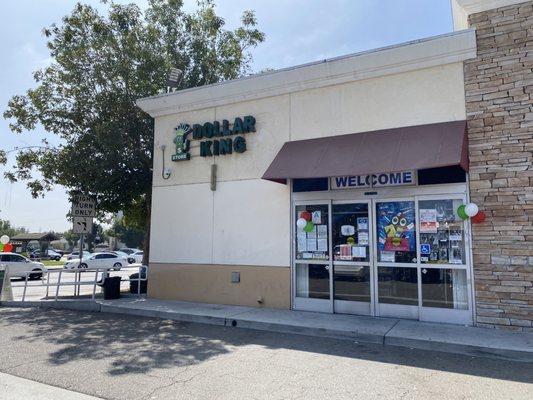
{"points": [[166, 173]]}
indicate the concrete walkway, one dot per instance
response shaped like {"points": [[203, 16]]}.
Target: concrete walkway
{"points": [[388, 331], [15, 388]]}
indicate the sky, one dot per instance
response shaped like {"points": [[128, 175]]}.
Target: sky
{"points": [[297, 32]]}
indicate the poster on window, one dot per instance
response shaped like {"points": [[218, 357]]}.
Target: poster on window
{"points": [[395, 226], [428, 220]]}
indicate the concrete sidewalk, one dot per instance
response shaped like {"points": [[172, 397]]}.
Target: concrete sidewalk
{"points": [[515, 346], [15, 388]]}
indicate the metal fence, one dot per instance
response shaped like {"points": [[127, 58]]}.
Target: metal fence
{"points": [[98, 276]]}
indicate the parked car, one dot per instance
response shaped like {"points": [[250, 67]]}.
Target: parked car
{"points": [[51, 254], [20, 265], [61, 252], [106, 260], [128, 250], [54, 255], [127, 256], [76, 254], [138, 256]]}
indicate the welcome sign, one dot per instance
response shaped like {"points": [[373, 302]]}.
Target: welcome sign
{"points": [[403, 178]]}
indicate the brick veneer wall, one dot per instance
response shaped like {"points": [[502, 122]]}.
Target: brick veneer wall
{"points": [[499, 87]]}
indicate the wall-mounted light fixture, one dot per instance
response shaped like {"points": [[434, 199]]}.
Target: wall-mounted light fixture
{"points": [[165, 172]]}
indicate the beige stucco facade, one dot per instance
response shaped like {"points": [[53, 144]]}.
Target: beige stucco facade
{"points": [[259, 286], [199, 236]]}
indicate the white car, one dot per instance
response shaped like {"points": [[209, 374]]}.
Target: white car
{"points": [[98, 260], [19, 265], [76, 254], [128, 257], [128, 250], [138, 256]]}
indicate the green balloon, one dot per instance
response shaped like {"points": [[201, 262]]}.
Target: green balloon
{"points": [[309, 227], [1, 247], [461, 212]]}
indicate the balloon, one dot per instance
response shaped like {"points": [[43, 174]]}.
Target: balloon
{"points": [[4, 239], [309, 227], [461, 212], [479, 217], [301, 223], [305, 215], [8, 247], [1, 247], [471, 209]]}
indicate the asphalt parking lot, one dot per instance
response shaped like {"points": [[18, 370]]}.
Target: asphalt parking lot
{"points": [[125, 357], [37, 291]]}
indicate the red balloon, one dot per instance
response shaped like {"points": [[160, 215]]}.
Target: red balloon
{"points": [[305, 215], [8, 247], [479, 217]]}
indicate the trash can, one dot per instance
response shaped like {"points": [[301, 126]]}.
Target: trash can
{"points": [[111, 287], [133, 284]]}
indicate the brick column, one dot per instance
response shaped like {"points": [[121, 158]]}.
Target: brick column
{"points": [[499, 86]]}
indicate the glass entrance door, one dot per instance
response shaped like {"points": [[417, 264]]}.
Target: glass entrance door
{"points": [[352, 247], [312, 261], [393, 257], [396, 259]]}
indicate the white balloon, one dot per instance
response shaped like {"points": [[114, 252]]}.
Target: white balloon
{"points": [[4, 239], [471, 209], [301, 223]]}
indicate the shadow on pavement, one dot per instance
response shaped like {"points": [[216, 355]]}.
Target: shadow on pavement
{"points": [[138, 345]]}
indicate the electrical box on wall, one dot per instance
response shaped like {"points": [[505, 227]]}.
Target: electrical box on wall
{"points": [[235, 277]]}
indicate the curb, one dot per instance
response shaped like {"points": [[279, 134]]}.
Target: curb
{"points": [[304, 330], [392, 337]]}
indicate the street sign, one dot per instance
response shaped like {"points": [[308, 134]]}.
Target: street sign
{"points": [[83, 206], [82, 224]]}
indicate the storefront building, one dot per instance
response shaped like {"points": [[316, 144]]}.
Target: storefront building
{"points": [[335, 186]]}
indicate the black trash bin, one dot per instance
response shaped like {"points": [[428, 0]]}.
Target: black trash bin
{"points": [[111, 287], [133, 284]]}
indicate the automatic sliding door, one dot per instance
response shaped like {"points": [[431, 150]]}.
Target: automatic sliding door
{"points": [[312, 265], [352, 275], [396, 259]]}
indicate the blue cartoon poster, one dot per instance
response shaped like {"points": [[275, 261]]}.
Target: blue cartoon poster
{"points": [[395, 228]]}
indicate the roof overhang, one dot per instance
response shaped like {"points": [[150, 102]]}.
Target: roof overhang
{"points": [[425, 53], [388, 150]]}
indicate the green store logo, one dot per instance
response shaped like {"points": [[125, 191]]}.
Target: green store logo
{"points": [[217, 142], [182, 143]]}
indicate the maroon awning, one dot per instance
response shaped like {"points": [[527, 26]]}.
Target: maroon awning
{"points": [[388, 150]]}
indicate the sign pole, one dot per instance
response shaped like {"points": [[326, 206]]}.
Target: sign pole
{"points": [[76, 289]]}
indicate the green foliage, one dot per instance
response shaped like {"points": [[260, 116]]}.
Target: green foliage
{"points": [[100, 65], [7, 229], [131, 236]]}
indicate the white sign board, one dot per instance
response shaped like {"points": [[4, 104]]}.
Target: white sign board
{"points": [[82, 224], [374, 180], [83, 206]]}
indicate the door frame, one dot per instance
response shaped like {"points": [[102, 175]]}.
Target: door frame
{"points": [[372, 196], [301, 303], [355, 307]]}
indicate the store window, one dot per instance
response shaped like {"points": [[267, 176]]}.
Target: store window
{"points": [[396, 232], [444, 288], [398, 285], [351, 282], [312, 281], [350, 233], [312, 232], [442, 236]]}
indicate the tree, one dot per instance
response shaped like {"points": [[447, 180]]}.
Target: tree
{"points": [[132, 237], [7, 229], [86, 96]]}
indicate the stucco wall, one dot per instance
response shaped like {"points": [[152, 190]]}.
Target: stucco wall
{"points": [[212, 284], [246, 220]]}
